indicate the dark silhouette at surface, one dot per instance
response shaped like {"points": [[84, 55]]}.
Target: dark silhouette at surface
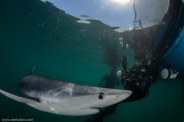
{"points": [[111, 56], [112, 60]]}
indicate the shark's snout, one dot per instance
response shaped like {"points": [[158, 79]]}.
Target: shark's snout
{"points": [[112, 96], [123, 96]]}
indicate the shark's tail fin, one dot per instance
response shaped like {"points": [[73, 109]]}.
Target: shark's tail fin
{"points": [[16, 98]]}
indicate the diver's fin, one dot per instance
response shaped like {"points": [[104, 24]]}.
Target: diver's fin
{"points": [[17, 98], [33, 69]]}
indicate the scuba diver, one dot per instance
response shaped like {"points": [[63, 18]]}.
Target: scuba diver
{"points": [[140, 77]]}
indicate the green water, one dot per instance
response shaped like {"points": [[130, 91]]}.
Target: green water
{"points": [[32, 33]]}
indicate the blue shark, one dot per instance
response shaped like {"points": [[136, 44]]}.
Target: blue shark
{"points": [[65, 98]]}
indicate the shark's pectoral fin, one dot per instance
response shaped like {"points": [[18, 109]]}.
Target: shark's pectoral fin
{"points": [[89, 111], [17, 98]]}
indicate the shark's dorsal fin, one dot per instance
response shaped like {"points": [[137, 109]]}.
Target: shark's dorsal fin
{"points": [[33, 69]]}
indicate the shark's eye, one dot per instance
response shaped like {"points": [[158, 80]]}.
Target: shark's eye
{"points": [[100, 96]]}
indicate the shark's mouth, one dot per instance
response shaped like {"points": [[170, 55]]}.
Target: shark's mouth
{"points": [[91, 110], [95, 108]]}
